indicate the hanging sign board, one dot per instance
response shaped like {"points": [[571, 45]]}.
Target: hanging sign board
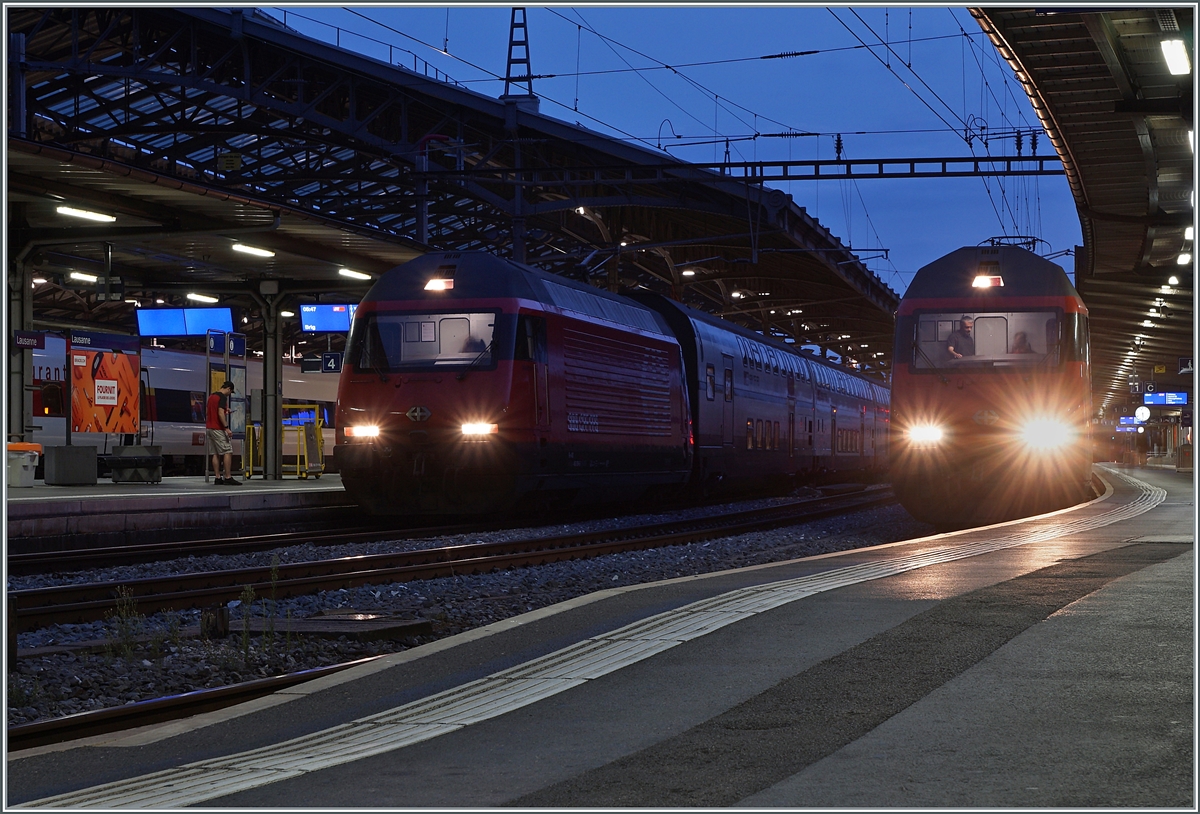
{"points": [[29, 340], [104, 382]]}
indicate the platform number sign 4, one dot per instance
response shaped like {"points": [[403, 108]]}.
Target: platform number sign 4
{"points": [[331, 362]]}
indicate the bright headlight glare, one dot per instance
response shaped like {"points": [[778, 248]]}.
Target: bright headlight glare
{"points": [[480, 429], [362, 431], [925, 434], [1045, 433]]}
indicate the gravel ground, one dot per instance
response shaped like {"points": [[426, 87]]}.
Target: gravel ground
{"points": [[151, 656]]}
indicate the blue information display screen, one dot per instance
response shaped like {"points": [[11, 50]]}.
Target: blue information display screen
{"points": [[161, 322], [183, 321], [1165, 398], [326, 317], [200, 320], [1128, 419]]}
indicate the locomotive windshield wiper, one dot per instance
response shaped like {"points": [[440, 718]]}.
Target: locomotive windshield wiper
{"points": [[917, 347], [380, 369], [462, 374]]}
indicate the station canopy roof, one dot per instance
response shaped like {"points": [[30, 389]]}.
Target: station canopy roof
{"points": [[201, 128], [1123, 124]]}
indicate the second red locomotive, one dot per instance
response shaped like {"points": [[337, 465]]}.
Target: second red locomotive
{"points": [[473, 383], [991, 389]]}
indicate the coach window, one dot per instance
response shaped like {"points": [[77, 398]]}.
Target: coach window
{"points": [[710, 382], [749, 433], [775, 436], [758, 434]]}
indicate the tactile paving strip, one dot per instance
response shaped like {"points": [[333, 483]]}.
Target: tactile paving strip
{"points": [[549, 675]]}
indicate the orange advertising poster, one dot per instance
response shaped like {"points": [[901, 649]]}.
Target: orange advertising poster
{"points": [[104, 391]]}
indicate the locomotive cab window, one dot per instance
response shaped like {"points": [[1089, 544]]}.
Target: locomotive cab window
{"points": [[530, 345], [994, 340], [391, 342]]}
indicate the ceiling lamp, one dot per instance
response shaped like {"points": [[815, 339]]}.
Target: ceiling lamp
{"points": [[254, 250], [688, 272], [1189, 233], [1182, 260], [1175, 52], [83, 277], [354, 275], [1173, 280], [201, 297], [287, 314], [85, 214]]}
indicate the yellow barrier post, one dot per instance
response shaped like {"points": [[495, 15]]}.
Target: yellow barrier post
{"points": [[310, 443]]}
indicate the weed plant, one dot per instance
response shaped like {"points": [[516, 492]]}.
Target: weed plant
{"points": [[125, 623]]}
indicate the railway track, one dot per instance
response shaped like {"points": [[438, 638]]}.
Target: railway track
{"points": [[33, 609], [157, 710], [81, 559]]}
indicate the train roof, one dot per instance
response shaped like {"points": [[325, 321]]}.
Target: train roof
{"points": [[479, 275], [1024, 274], [658, 301]]}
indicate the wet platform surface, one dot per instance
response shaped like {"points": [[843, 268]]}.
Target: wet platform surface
{"points": [[1044, 663]]}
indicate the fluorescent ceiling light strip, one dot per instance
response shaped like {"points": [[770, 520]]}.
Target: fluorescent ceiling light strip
{"points": [[85, 214], [254, 250], [496, 695], [1175, 52]]}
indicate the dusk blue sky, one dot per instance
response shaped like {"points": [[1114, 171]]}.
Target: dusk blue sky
{"points": [[609, 76]]}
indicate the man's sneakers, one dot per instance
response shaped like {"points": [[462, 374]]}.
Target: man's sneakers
{"points": [[226, 482]]}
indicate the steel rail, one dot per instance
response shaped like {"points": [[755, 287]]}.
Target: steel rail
{"points": [[79, 559], [36, 608], [156, 710]]}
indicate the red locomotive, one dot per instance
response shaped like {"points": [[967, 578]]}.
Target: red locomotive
{"points": [[473, 384], [991, 389]]}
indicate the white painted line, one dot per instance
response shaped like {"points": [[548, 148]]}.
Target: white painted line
{"points": [[542, 678]]}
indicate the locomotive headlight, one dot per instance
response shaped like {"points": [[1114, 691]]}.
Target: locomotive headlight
{"points": [[925, 434], [1046, 434], [480, 429], [362, 431]]}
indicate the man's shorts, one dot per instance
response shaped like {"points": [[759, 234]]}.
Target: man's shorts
{"points": [[218, 443]]}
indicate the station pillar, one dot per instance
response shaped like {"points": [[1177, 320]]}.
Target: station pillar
{"points": [[272, 381], [20, 373]]}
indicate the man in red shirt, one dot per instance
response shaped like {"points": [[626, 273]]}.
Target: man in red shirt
{"points": [[216, 424]]}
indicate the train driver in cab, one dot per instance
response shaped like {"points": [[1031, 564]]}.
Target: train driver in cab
{"points": [[1020, 343], [961, 343]]}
